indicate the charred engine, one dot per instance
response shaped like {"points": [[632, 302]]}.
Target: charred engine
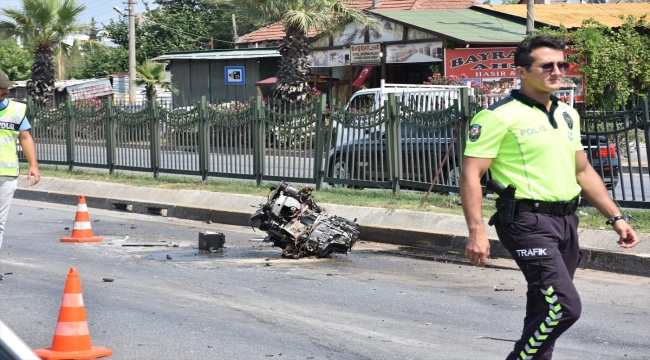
{"points": [[300, 228]]}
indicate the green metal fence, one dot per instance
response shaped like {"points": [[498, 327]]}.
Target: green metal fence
{"points": [[618, 149], [256, 140], [394, 146]]}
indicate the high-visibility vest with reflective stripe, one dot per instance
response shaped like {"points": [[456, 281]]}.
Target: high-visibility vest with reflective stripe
{"points": [[10, 119]]}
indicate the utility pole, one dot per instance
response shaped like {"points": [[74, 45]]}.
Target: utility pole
{"points": [[234, 29], [530, 17], [132, 96]]}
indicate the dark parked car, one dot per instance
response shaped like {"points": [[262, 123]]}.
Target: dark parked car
{"points": [[603, 157], [422, 150]]}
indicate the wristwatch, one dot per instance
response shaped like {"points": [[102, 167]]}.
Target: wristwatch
{"points": [[615, 219]]}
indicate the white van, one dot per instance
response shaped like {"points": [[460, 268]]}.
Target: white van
{"points": [[422, 98], [419, 97], [361, 151]]}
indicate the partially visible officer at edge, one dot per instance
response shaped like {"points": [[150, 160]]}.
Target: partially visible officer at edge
{"points": [[13, 125], [532, 141]]}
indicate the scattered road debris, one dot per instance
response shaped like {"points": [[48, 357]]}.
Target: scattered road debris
{"points": [[108, 280], [211, 241], [493, 338], [149, 244], [301, 228]]}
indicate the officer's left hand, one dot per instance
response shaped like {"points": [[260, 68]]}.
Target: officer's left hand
{"points": [[627, 235], [33, 171]]}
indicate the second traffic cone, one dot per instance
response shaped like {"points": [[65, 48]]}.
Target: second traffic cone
{"points": [[71, 336], [82, 231]]}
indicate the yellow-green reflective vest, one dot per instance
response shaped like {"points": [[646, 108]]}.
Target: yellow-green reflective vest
{"points": [[10, 119]]}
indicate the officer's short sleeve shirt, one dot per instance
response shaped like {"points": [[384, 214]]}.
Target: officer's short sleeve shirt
{"points": [[530, 148], [24, 125]]}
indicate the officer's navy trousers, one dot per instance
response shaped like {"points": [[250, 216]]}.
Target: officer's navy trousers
{"points": [[546, 250]]}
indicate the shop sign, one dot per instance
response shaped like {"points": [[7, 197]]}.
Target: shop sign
{"points": [[480, 63], [352, 34], [414, 53], [329, 58], [388, 31], [90, 89], [495, 67], [369, 54]]}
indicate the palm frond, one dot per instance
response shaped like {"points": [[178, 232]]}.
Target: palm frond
{"points": [[153, 75], [42, 12], [9, 29], [91, 45], [68, 11], [306, 21]]}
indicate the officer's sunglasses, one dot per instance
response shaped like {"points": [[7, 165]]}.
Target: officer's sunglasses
{"points": [[549, 67]]}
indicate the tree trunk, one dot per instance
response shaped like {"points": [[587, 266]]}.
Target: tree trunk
{"points": [[292, 77], [150, 92], [41, 85], [59, 59]]}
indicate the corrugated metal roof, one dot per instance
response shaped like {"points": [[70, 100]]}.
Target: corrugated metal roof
{"points": [[465, 26], [424, 4], [572, 15], [222, 54]]}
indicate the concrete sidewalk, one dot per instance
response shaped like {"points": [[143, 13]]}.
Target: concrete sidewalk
{"points": [[441, 232]]}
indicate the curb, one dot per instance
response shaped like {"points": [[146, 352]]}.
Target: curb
{"points": [[452, 244]]}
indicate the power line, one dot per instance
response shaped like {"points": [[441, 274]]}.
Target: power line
{"points": [[188, 34]]}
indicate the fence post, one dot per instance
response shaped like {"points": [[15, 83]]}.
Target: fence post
{"points": [[70, 133], [30, 113], [258, 140], [320, 134], [464, 115], [464, 102], [646, 123], [204, 146], [154, 133], [393, 143], [110, 134]]}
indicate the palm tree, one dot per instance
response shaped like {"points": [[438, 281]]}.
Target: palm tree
{"points": [[42, 25], [299, 17], [84, 46], [153, 75]]}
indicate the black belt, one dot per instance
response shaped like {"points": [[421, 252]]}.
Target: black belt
{"points": [[557, 208]]}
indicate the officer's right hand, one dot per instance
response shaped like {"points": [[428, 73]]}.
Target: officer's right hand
{"points": [[627, 236], [477, 249]]}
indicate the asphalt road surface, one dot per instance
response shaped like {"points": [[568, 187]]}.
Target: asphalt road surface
{"points": [[248, 303]]}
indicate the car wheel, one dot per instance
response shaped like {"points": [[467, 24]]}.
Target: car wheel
{"points": [[340, 169], [450, 177]]}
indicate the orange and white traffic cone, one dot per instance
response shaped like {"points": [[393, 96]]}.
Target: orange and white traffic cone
{"points": [[71, 336], [82, 231]]}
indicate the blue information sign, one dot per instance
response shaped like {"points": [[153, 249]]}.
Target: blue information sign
{"points": [[235, 75]]}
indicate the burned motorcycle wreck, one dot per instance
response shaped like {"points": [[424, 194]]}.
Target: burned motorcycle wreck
{"points": [[301, 228]]}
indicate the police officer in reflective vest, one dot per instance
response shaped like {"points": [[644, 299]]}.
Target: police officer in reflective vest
{"points": [[13, 126], [531, 141]]}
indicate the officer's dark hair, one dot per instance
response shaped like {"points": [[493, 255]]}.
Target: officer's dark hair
{"points": [[522, 54]]}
